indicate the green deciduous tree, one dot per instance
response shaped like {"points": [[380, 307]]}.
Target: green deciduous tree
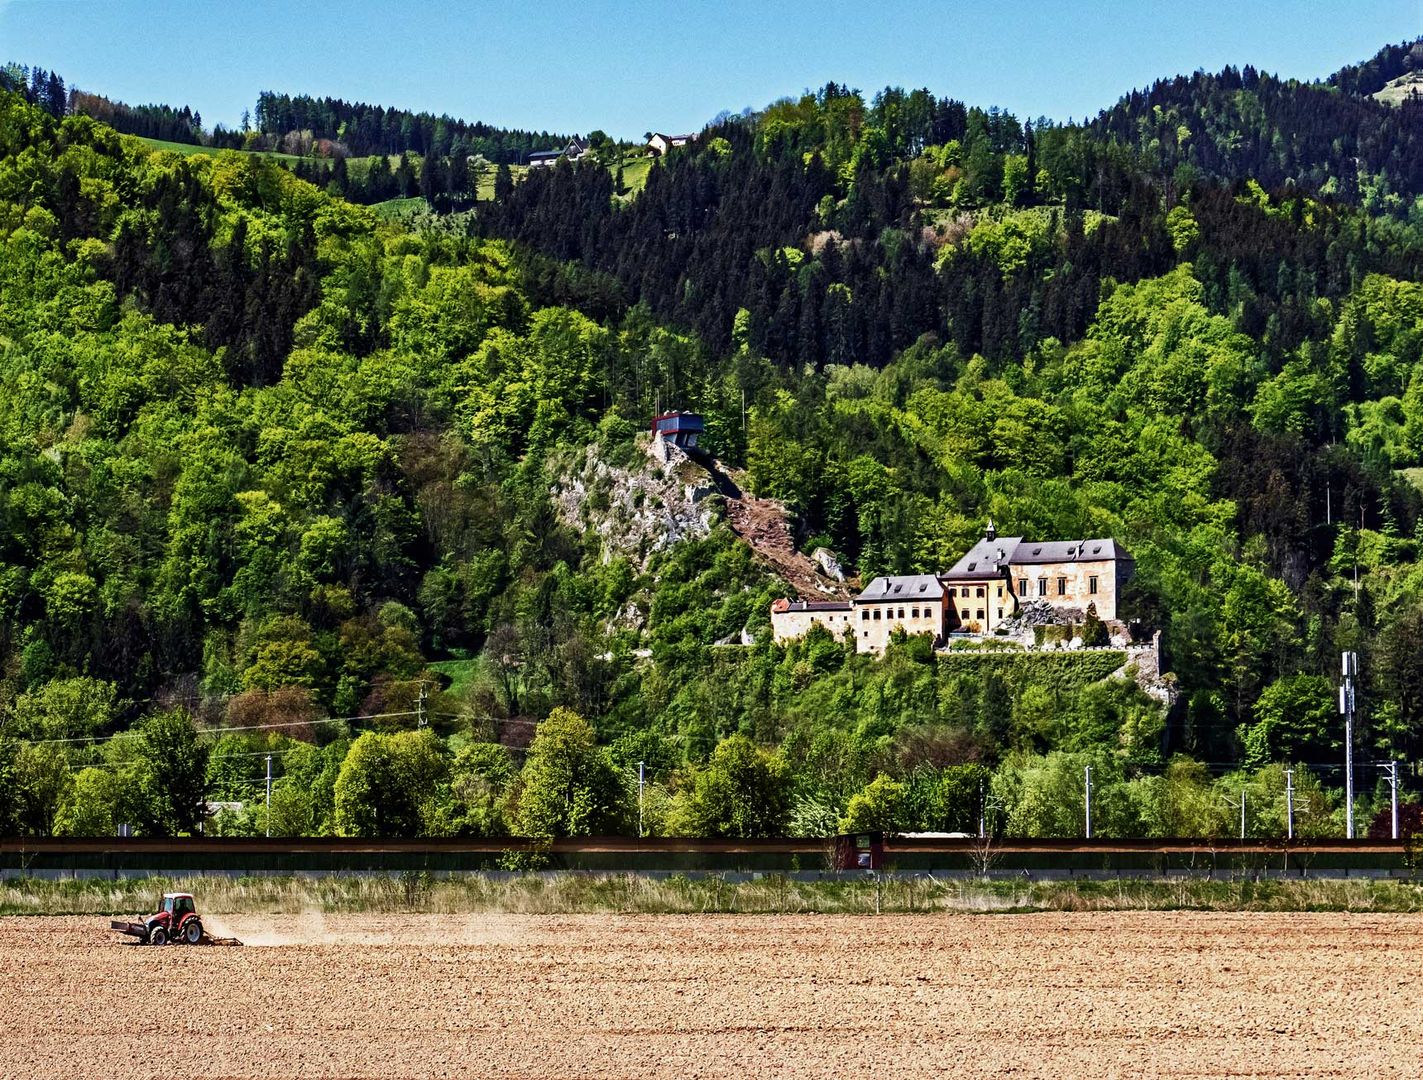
{"points": [[568, 787], [743, 791], [90, 805], [882, 806], [172, 775], [388, 784], [1294, 719]]}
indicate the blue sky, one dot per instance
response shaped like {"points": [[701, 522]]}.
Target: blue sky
{"points": [[634, 65]]}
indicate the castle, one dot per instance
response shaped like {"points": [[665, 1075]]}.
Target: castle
{"points": [[986, 588]]}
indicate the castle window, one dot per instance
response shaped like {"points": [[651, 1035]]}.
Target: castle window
{"points": [[1092, 584], [901, 613], [1000, 592], [964, 614], [865, 615], [980, 592], [980, 614], [877, 616], [1042, 586], [1062, 586], [914, 613], [1000, 613], [1024, 590]]}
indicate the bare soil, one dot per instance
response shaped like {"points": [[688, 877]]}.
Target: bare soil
{"points": [[765, 525], [1102, 994]]}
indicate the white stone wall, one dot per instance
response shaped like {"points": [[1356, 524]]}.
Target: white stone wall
{"points": [[872, 634], [789, 625], [1076, 577]]}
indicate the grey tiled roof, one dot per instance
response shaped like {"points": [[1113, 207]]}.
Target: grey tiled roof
{"points": [[985, 558], [1051, 551], [908, 587]]}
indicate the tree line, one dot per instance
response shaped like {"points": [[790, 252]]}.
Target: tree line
{"points": [[369, 130], [272, 459]]}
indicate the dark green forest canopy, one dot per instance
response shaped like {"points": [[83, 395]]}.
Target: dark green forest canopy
{"points": [[273, 461]]}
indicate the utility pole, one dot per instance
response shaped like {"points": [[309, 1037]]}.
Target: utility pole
{"points": [[269, 794], [1349, 668], [1392, 768], [1087, 788], [424, 699], [640, 783], [1290, 804]]}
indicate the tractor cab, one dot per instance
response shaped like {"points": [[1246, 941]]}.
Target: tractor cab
{"points": [[175, 906]]}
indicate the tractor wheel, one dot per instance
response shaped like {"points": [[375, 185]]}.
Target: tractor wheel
{"points": [[158, 936], [192, 932]]}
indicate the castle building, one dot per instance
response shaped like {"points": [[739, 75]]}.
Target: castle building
{"points": [[983, 590], [999, 573], [916, 603]]}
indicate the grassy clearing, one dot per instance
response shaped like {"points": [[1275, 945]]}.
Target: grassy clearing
{"points": [[398, 209], [632, 894], [462, 673], [635, 169], [188, 149], [484, 187], [1401, 88]]}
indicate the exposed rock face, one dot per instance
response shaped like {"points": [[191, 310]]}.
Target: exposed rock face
{"points": [[828, 563], [1033, 613], [640, 508], [1144, 666]]}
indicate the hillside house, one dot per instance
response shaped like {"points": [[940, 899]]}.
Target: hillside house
{"points": [[981, 592], [679, 428], [575, 150], [659, 144]]}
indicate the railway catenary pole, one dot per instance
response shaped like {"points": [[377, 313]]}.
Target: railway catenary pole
{"points": [[1391, 767], [1349, 668], [1087, 790], [269, 794], [640, 784], [1290, 804], [1242, 813]]}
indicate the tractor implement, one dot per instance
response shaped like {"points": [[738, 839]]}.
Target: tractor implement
{"points": [[176, 921], [132, 929]]}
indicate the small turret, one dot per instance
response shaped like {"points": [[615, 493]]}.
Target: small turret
{"points": [[990, 533]]}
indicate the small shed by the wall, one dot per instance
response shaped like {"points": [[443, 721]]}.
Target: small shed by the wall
{"points": [[859, 851]]}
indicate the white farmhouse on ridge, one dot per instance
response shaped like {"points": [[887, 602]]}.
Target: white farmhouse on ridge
{"points": [[659, 144]]}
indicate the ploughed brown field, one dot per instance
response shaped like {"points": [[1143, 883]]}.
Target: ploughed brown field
{"points": [[1140, 994]]}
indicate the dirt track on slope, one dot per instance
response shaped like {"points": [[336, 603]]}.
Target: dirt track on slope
{"points": [[1138, 994]]}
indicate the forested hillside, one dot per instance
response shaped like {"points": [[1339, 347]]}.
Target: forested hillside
{"points": [[276, 475]]}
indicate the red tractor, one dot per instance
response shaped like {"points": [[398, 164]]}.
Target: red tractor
{"points": [[176, 920]]}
